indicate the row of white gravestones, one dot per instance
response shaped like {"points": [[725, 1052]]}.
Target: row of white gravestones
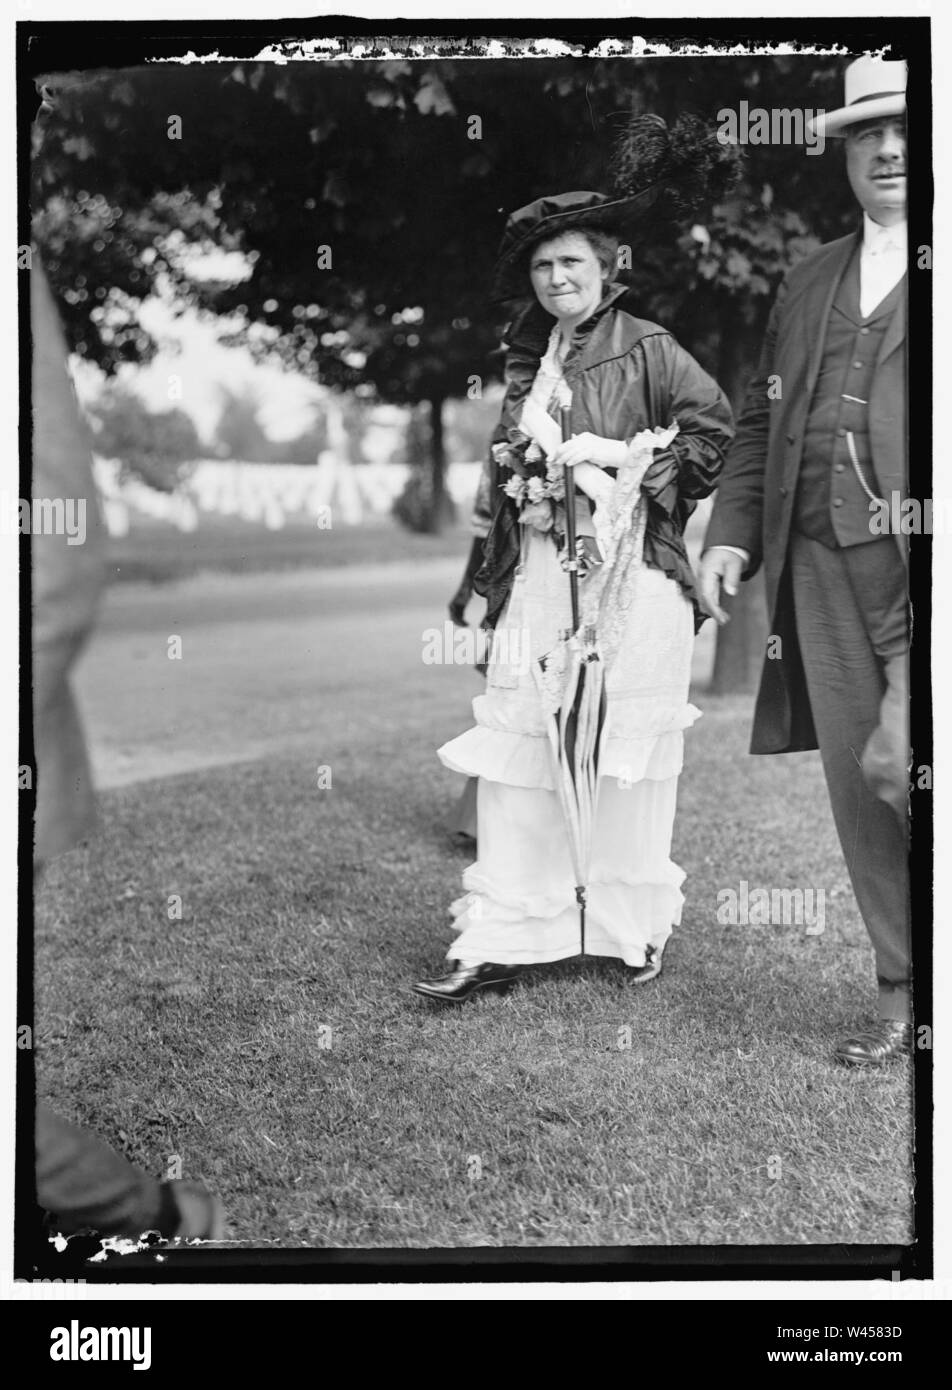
{"points": [[267, 494]]}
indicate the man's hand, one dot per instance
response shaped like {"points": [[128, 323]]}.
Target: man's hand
{"points": [[718, 566], [590, 448]]}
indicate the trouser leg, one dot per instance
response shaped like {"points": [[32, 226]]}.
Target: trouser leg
{"points": [[86, 1185], [849, 626]]}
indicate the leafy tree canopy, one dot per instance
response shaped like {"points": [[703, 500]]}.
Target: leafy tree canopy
{"points": [[367, 200]]}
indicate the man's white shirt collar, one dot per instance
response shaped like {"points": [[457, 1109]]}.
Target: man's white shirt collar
{"points": [[877, 238]]}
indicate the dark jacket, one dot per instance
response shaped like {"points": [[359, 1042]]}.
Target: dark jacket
{"points": [[755, 499], [625, 375]]}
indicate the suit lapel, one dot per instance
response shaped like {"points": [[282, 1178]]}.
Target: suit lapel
{"points": [[896, 331], [818, 301]]}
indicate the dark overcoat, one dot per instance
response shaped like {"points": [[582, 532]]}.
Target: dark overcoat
{"points": [[755, 499], [626, 375]]}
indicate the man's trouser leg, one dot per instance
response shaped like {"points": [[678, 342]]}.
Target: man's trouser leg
{"points": [[851, 612]]}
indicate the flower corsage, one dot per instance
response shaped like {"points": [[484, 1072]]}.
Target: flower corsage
{"points": [[538, 490]]}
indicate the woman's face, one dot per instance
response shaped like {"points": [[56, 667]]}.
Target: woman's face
{"points": [[567, 277]]}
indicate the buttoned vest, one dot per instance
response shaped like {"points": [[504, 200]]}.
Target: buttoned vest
{"points": [[837, 481]]}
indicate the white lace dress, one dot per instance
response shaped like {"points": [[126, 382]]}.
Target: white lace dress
{"points": [[519, 905]]}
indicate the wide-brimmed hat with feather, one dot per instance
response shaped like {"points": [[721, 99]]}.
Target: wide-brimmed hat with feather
{"points": [[658, 174]]}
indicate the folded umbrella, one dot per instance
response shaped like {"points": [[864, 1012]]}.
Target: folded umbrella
{"points": [[571, 679]]}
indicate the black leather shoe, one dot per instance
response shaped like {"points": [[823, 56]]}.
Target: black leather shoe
{"points": [[876, 1045], [463, 980]]}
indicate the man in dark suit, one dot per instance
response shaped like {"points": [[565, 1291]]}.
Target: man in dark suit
{"points": [[821, 443]]}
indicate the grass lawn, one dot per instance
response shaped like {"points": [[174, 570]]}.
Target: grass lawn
{"points": [[516, 1120]]}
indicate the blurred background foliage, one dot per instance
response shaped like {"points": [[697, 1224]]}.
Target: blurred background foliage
{"points": [[353, 220], [375, 161], [154, 445]]}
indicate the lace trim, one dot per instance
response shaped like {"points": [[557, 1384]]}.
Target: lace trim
{"points": [[608, 592]]}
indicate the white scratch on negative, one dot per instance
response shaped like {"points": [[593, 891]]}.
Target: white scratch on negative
{"points": [[419, 48]]}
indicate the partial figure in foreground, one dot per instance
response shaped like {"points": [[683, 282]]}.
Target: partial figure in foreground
{"points": [[801, 492], [82, 1184], [621, 378]]}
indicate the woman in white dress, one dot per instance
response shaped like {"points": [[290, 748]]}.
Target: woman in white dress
{"points": [[579, 346]]}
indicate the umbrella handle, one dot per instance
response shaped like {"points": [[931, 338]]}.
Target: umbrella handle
{"points": [[571, 563]]}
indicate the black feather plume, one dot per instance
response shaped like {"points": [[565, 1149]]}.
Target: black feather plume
{"points": [[687, 162]]}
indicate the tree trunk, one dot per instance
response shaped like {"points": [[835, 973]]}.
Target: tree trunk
{"points": [[439, 510], [437, 463], [425, 505], [742, 643]]}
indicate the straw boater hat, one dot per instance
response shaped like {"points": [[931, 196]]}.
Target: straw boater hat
{"points": [[873, 88], [656, 172]]}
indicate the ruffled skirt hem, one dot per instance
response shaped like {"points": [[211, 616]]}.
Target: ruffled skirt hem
{"points": [[619, 925], [518, 759], [513, 905]]}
